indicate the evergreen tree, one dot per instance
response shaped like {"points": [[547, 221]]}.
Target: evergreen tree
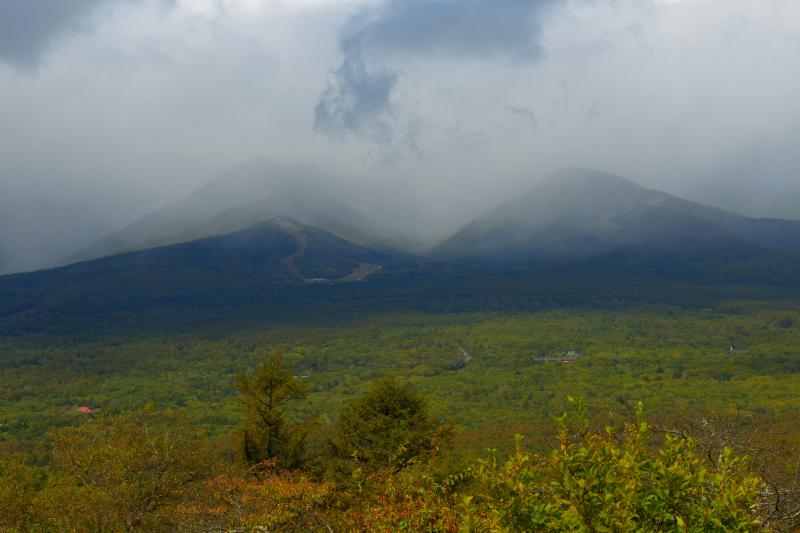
{"points": [[265, 393], [390, 424]]}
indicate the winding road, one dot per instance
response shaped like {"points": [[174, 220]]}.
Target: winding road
{"points": [[362, 271]]}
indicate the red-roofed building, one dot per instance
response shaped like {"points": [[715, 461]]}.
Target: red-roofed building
{"points": [[85, 410]]}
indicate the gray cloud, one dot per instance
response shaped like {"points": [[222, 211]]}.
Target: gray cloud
{"points": [[524, 114], [358, 97], [356, 100], [452, 28], [29, 27]]}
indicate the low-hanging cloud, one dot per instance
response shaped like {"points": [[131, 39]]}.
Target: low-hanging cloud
{"points": [[358, 98]]}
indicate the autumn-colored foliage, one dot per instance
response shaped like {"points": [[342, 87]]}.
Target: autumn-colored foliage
{"points": [[121, 474], [283, 501], [19, 485], [147, 471]]}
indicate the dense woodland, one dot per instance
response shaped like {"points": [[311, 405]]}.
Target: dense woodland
{"points": [[407, 421]]}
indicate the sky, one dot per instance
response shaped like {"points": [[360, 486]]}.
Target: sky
{"points": [[112, 108]]}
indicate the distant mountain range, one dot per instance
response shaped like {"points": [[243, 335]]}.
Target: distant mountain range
{"points": [[573, 213], [577, 232]]}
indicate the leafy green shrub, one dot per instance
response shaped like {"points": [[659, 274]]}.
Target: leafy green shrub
{"points": [[615, 482]]}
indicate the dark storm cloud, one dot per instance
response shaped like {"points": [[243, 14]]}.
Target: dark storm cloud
{"points": [[28, 28], [355, 100], [469, 28], [358, 95]]}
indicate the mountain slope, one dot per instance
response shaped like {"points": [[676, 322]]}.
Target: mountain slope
{"points": [[752, 202], [581, 213], [272, 253], [252, 192]]}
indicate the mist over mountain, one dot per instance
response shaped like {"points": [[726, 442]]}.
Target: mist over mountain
{"points": [[580, 213], [259, 189], [752, 202], [40, 227], [256, 190], [575, 234]]}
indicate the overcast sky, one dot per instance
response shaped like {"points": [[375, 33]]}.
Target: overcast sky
{"points": [[111, 108]]}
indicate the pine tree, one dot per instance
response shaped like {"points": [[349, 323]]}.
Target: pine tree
{"points": [[265, 393]]}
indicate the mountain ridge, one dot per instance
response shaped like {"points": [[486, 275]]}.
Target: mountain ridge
{"points": [[579, 213], [277, 251], [254, 191], [570, 240]]}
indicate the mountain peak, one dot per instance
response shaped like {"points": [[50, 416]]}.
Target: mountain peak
{"points": [[256, 190], [579, 180], [578, 174], [581, 212]]}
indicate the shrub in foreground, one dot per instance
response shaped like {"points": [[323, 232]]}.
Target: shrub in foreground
{"points": [[143, 472], [615, 482]]}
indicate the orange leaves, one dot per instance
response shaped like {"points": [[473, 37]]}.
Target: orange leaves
{"points": [[381, 501], [279, 500]]}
